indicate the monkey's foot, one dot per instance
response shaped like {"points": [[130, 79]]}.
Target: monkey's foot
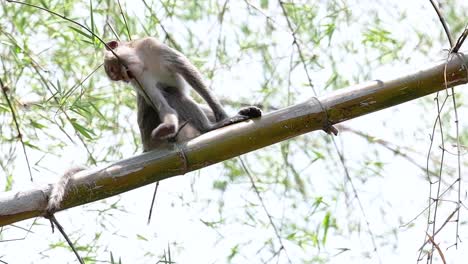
{"points": [[164, 131], [251, 111]]}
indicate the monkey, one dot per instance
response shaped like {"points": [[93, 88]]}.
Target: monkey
{"points": [[165, 109], [159, 75]]}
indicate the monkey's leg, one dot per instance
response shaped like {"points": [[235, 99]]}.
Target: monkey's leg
{"points": [[189, 110], [178, 63], [167, 115]]}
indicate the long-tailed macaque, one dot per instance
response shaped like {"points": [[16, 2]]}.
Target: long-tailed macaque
{"points": [[159, 75]]}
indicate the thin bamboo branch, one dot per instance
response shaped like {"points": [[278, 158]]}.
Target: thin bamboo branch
{"points": [[219, 145]]}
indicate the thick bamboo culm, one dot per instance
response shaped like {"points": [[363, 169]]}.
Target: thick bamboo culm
{"points": [[222, 144]]}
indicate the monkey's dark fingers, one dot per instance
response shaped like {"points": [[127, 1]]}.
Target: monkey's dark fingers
{"points": [[250, 111]]}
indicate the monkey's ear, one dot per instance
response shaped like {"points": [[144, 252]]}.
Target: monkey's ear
{"points": [[112, 45]]}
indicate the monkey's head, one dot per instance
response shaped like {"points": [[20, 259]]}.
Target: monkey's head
{"points": [[114, 68]]}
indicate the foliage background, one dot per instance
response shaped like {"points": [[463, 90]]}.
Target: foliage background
{"points": [[68, 112]]}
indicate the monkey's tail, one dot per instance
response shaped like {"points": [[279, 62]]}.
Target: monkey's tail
{"points": [[60, 188]]}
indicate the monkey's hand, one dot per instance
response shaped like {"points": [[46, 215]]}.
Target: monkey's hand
{"points": [[250, 111], [244, 114]]}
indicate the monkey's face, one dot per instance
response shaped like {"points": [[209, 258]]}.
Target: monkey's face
{"points": [[114, 67], [114, 70]]}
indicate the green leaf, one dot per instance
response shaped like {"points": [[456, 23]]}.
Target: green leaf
{"points": [[9, 183], [234, 252], [326, 226], [79, 31], [3, 108], [291, 236], [44, 4], [36, 124], [91, 11], [97, 110], [140, 237], [30, 145], [220, 185], [82, 130]]}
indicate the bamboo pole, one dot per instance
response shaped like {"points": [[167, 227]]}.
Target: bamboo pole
{"points": [[219, 145]]}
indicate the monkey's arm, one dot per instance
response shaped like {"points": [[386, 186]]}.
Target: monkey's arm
{"points": [[178, 63], [167, 115]]}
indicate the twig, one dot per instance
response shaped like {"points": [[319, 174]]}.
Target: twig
{"points": [[53, 222], [37, 68], [460, 40], [439, 181], [437, 247], [459, 174], [442, 20], [80, 83], [395, 149], [259, 10], [64, 18], [125, 20], [218, 43], [431, 201], [438, 123], [296, 43], [92, 33], [441, 227], [152, 202], [168, 35], [105, 44], [361, 207], [270, 219], [184, 158], [18, 130], [28, 231], [157, 183], [327, 127]]}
